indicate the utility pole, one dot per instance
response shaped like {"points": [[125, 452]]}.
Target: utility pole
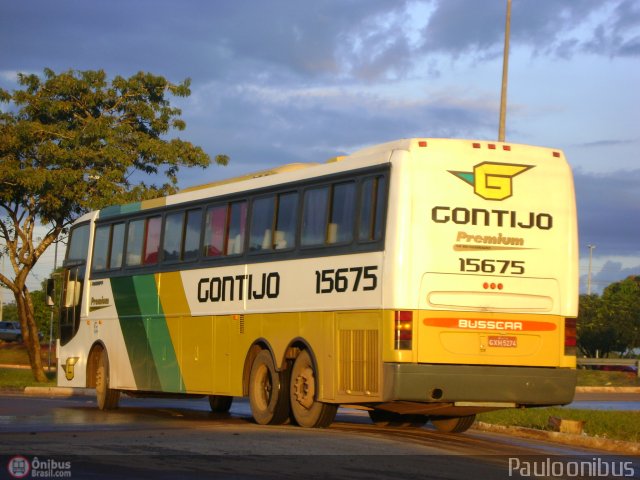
{"points": [[591, 247], [505, 75]]}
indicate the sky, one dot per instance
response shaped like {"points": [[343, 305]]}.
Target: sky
{"points": [[282, 81]]}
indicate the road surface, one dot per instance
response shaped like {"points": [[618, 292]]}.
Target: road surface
{"points": [[167, 438]]}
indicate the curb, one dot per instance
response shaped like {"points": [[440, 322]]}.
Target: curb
{"points": [[59, 391], [607, 389], [26, 367], [618, 446]]}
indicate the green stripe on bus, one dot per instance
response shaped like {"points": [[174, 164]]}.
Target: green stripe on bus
{"points": [[159, 338], [134, 332]]}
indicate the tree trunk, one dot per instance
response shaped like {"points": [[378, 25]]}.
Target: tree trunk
{"points": [[30, 333]]}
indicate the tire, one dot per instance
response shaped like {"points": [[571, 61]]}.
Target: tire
{"points": [[268, 392], [106, 397], [383, 418], [306, 410], [453, 424], [220, 403]]}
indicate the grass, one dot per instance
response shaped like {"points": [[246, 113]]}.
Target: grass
{"points": [[12, 353], [15, 379], [614, 425], [599, 378]]}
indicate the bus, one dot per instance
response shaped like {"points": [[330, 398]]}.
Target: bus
{"points": [[422, 280]]}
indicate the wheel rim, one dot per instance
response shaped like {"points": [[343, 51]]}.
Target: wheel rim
{"points": [[304, 388], [264, 388]]}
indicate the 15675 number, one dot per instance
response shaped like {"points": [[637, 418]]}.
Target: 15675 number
{"points": [[475, 265], [347, 279]]}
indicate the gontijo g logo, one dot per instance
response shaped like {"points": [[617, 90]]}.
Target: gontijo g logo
{"points": [[492, 181]]}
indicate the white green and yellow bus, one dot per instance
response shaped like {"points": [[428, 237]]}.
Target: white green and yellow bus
{"points": [[422, 280]]}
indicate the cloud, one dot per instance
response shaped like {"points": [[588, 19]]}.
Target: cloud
{"points": [[607, 143], [612, 271], [547, 27], [286, 42], [619, 33], [609, 211]]}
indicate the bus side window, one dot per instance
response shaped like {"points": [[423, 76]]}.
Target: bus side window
{"points": [[237, 226], [101, 247], [191, 238], [261, 232], [371, 209], [215, 227], [341, 219], [135, 239], [286, 221], [225, 229], [314, 216], [152, 240], [173, 224], [117, 246]]}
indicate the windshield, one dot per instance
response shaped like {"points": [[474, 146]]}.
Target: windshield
{"points": [[78, 244]]}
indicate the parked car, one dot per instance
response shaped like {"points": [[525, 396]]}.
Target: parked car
{"points": [[10, 332]]}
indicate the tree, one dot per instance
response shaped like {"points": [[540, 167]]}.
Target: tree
{"points": [[610, 323], [596, 337], [74, 142], [621, 309]]}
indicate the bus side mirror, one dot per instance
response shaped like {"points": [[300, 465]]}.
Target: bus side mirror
{"points": [[50, 292]]}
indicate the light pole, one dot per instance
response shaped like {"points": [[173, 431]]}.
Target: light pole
{"points": [[505, 75], [591, 247]]}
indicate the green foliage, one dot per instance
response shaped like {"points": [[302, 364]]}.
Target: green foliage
{"points": [[610, 323], [74, 142]]}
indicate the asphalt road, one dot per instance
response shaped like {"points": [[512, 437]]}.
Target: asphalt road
{"points": [[162, 438]]}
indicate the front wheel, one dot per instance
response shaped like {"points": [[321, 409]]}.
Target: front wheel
{"points": [[453, 424], [307, 411], [268, 395], [106, 397]]}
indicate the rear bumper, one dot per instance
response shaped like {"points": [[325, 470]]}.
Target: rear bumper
{"points": [[524, 386]]}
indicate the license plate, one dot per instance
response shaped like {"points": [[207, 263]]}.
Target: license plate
{"points": [[508, 342]]}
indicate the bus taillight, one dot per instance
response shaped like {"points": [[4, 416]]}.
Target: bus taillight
{"points": [[403, 330], [569, 336]]}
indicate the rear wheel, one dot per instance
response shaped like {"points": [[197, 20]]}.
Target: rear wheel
{"points": [[106, 397], [220, 403], [453, 424], [268, 394], [306, 410]]}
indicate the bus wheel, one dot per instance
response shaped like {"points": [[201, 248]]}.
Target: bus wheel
{"points": [[268, 395], [106, 397], [220, 403], [307, 411], [453, 424], [383, 418]]}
